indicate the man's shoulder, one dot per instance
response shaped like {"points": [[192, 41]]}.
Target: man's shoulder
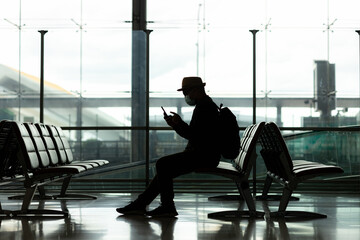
{"points": [[206, 101], [207, 105]]}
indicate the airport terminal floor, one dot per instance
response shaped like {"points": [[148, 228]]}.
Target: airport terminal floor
{"points": [[97, 219]]}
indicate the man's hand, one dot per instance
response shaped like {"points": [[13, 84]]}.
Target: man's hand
{"points": [[172, 120]]}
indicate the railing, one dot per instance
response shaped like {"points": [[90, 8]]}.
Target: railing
{"points": [[340, 146]]}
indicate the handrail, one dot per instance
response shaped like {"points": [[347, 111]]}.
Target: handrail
{"points": [[337, 129], [312, 131]]}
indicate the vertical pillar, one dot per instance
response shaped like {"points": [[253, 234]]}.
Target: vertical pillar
{"points": [[42, 32], [147, 110], [278, 115], [138, 94], [138, 80], [358, 31], [254, 74], [254, 99]]}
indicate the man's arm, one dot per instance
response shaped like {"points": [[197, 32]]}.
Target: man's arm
{"points": [[181, 127]]}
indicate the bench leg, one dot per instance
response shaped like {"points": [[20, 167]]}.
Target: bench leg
{"points": [[285, 199], [265, 193], [282, 213], [267, 185], [245, 191], [40, 212], [41, 196], [252, 213], [64, 195], [29, 195], [65, 186]]}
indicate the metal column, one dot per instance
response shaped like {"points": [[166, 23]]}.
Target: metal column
{"points": [[140, 85], [254, 99], [358, 31], [42, 32], [147, 151], [254, 74]]}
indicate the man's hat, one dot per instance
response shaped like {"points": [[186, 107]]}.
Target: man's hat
{"points": [[191, 82]]}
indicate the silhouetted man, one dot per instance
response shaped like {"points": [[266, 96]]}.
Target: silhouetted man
{"points": [[201, 151]]}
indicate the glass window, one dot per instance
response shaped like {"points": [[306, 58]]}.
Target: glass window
{"points": [[307, 61]]}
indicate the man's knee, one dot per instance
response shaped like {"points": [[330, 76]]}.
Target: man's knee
{"points": [[161, 163], [175, 164]]}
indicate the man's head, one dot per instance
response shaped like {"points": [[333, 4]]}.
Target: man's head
{"points": [[193, 89], [189, 83]]}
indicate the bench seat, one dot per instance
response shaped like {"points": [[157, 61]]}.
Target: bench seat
{"points": [[287, 172], [28, 154], [239, 172], [64, 150], [223, 169]]}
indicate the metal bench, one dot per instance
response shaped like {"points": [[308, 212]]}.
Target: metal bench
{"points": [[30, 158], [289, 173], [239, 172], [60, 153]]}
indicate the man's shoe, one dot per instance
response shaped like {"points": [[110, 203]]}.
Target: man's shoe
{"points": [[134, 208], [163, 211]]}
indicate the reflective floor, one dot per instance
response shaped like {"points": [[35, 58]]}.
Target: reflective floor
{"points": [[97, 219]]}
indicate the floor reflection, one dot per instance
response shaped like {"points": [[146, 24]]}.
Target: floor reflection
{"points": [[276, 228], [34, 227], [142, 226], [98, 219], [236, 230], [266, 229]]}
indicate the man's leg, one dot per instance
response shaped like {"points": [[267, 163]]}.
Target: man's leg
{"points": [[138, 206], [168, 168], [150, 193]]}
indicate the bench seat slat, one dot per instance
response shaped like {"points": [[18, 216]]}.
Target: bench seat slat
{"points": [[318, 170], [63, 144], [61, 170]]}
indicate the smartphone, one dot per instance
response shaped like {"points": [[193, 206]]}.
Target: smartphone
{"points": [[165, 114]]}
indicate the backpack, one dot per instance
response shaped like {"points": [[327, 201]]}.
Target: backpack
{"points": [[229, 133]]}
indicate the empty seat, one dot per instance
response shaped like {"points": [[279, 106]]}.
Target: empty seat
{"points": [[282, 169]]}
